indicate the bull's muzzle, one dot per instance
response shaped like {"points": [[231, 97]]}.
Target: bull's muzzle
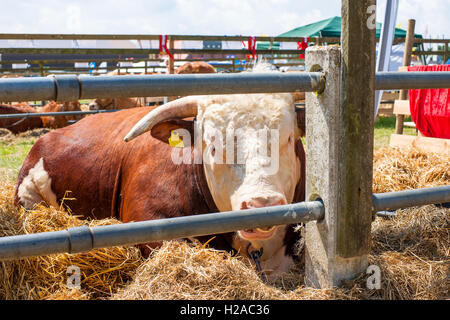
{"points": [[260, 233]]}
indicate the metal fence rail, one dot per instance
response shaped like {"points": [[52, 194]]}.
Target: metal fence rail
{"points": [[53, 114], [71, 113], [410, 198], [71, 88], [80, 239], [412, 80]]}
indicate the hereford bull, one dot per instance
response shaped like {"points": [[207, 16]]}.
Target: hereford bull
{"points": [[139, 180]]}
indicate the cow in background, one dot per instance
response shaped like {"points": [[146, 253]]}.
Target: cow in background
{"points": [[116, 103], [53, 122], [127, 103], [195, 67], [17, 125]]}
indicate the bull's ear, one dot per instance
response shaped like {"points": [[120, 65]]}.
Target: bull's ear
{"points": [[301, 123], [163, 131]]}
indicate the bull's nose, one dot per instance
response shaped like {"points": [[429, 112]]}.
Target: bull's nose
{"points": [[261, 202]]}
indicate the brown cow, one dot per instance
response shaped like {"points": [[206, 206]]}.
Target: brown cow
{"points": [[116, 103], [151, 178], [126, 103], [52, 122], [195, 67], [17, 125]]}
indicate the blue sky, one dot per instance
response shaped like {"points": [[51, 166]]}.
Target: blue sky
{"points": [[205, 17]]}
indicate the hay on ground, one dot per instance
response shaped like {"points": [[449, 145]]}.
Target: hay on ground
{"points": [[397, 169], [411, 249], [103, 271]]}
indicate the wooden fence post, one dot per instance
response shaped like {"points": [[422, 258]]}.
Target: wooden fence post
{"points": [[445, 52], [171, 61], [409, 43], [339, 151]]}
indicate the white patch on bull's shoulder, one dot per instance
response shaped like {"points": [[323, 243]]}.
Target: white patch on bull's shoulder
{"points": [[36, 187]]}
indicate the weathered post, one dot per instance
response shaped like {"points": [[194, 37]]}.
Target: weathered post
{"points": [[42, 74], [339, 150], [409, 42], [445, 52]]}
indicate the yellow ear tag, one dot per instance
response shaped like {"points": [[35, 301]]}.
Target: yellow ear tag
{"points": [[175, 141]]}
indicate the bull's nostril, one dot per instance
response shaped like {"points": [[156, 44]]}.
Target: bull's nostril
{"points": [[278, 202], [265, 202], [244, 205]]}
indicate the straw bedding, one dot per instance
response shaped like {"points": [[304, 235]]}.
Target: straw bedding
{"points": [[8, 136], [102, 271], [412, 251]]}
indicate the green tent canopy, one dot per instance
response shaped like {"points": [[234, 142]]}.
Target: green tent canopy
{"points": [[326, 28]]}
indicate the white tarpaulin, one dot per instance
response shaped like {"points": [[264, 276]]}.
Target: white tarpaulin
{"points": [[385, 44], [396, 57]]}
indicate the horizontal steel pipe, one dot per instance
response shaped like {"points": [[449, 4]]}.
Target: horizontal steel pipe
{"points": [[81, 239], [53, 114], [410, 198], [199, 84], [412, 80], [73, 87], [27, 89]]}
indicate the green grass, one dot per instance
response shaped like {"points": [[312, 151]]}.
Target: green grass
{"points": [[12, 155], [384, 127]]}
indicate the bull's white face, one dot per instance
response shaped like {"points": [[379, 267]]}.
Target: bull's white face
{"points": [[259, 167]]}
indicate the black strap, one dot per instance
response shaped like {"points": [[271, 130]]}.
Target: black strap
{"points": [[256, 255]]}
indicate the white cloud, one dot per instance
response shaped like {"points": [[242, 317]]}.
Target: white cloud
{"points": [[432, 16], [246, 17], [73, 21]]}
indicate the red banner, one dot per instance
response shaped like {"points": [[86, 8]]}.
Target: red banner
{"points": [[302, 45], [430, 108], [163, 46]]}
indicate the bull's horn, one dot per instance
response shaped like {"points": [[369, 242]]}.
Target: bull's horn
{"points": [[177, 109]]}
